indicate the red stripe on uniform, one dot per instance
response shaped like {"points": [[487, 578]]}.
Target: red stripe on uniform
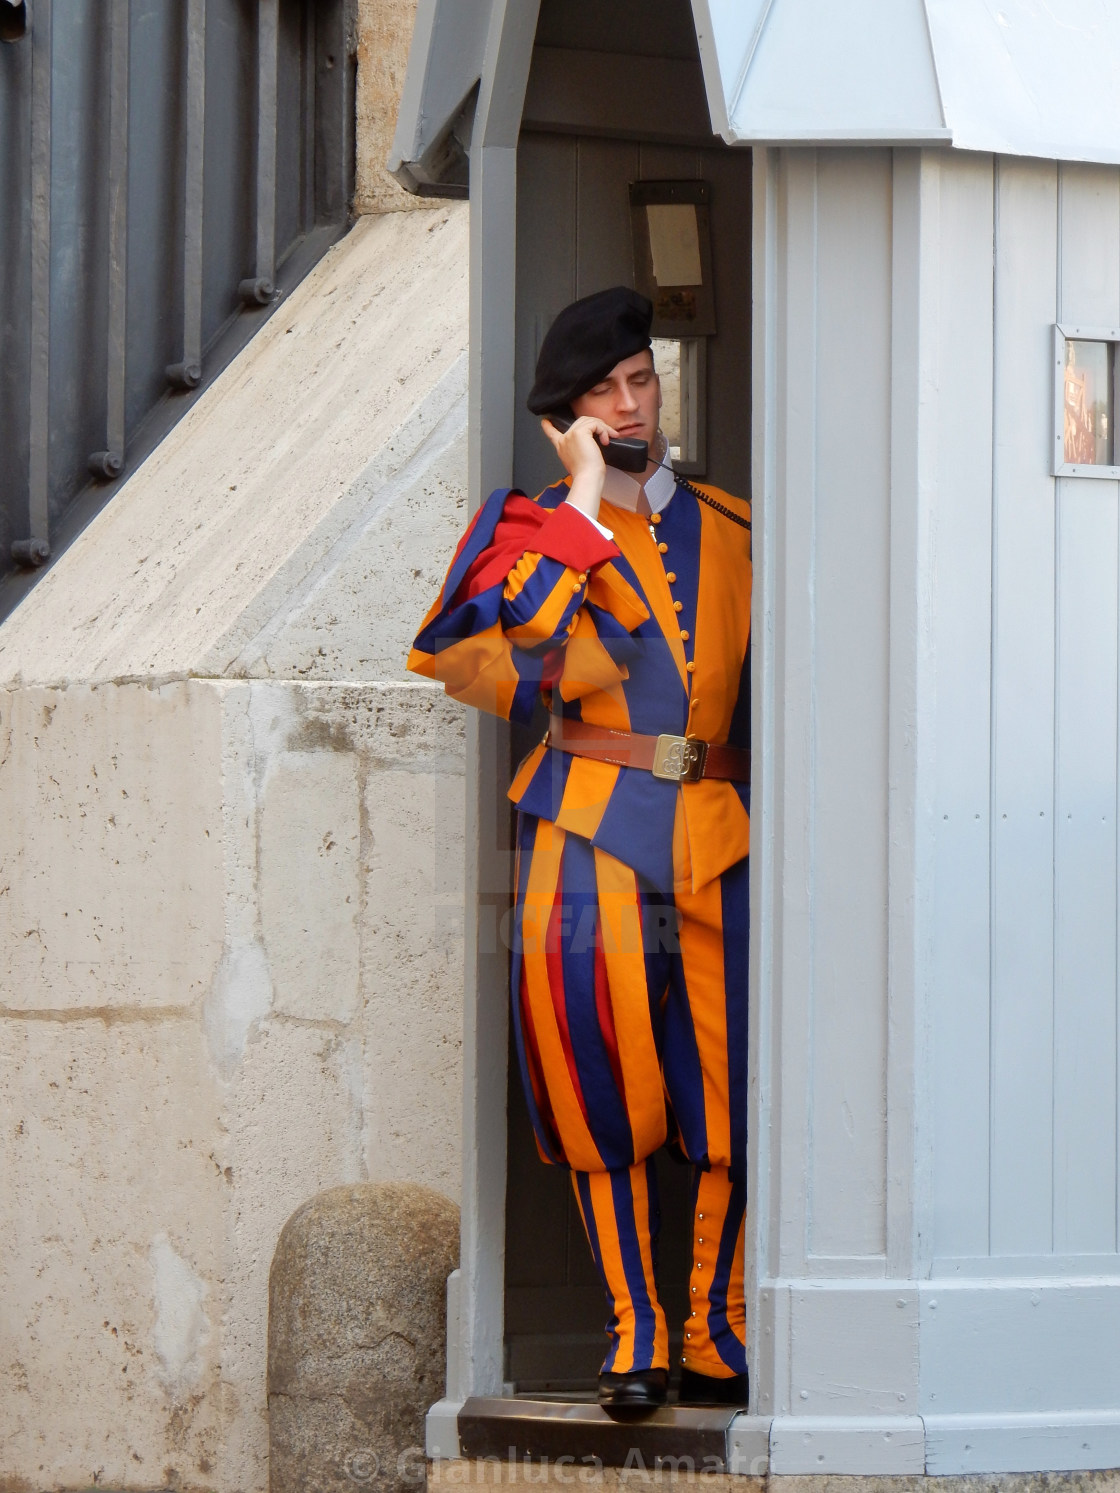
{"points": [[519, 524], [554, 961], [605, 1014]]}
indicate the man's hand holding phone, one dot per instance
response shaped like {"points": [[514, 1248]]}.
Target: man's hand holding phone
{"points": [[624, 452], [580, 447], [587, 446]]}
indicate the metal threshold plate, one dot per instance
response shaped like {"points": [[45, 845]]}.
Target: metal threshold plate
{"points": [[690, 1438]]}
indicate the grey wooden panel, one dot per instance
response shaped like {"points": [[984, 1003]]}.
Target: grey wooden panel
{"points": [[1007, 1345], [604, 93], [636, 28], [791, 394], [546, 282], [762, 1253], [957, 402], [911, 709], [476, 1362], [850, 672], [729, 351], [1085, 1093], [604, 253], [854, 1349], [1022, 721], [671, 163]]}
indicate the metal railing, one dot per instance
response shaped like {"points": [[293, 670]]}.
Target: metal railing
{"points": [[168, 169]]}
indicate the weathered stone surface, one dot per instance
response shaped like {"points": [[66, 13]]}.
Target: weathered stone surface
{"points": [[414, 969], [384, 34], [310, 891], [355, 618], [110, 860], [156, 1130], [357, 1336], [111, 1206]]}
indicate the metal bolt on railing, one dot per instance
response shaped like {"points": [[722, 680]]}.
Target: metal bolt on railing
{"points": [[184, 375], [30, 552], [256, 291], [107, 465]]}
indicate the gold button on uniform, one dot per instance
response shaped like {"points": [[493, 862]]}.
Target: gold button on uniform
{"points": [[655, 518], [663, 547], [670, 576], [690, 666], [684, 634], [576, 589], [678, 606]]}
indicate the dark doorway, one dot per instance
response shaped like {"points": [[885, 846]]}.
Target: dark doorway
{"points": [[615, 96]]}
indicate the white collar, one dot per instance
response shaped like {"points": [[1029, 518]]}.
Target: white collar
{"points": [[622, 490]]}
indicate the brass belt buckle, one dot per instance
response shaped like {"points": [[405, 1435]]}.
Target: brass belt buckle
{"points": [[678, 760]]}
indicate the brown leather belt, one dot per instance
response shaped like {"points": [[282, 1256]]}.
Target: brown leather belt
{"points": [[676, 759]]}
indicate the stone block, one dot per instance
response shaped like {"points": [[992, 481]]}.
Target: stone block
{"points": [[110, 864], [309, 883], [412, 975], [357, 1337], [115, 1188]]}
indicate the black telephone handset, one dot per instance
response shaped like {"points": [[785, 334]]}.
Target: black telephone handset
{"points": [[626, 453]]}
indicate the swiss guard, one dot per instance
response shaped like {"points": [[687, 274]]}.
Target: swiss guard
{"points": [[622, 598]]}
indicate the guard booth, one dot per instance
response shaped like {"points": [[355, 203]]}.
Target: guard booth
{"points": [[912, 212]]}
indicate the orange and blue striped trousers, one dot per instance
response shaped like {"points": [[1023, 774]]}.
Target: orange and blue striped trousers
{"points": [[630, 1021]]}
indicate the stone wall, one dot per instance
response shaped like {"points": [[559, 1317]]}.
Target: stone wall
{"points": [[384, 34], [235, 981], [231, 873]]}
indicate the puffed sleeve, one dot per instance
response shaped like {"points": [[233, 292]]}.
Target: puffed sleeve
{"points": [[515, 597]]}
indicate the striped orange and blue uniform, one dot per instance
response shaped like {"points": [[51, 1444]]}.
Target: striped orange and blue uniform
{"points": [[628, 974]]}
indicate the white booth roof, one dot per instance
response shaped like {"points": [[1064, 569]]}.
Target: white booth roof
{"points": [[1018, 77]]}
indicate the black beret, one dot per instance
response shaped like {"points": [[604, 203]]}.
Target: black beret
{"points": [[585, 342]]}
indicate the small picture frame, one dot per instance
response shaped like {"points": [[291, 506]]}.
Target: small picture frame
{"points": [[673, 255], [1084, 441]]}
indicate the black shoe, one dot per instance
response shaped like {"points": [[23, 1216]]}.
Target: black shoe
{"points": [[643, 1391], [702, 1389]]}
